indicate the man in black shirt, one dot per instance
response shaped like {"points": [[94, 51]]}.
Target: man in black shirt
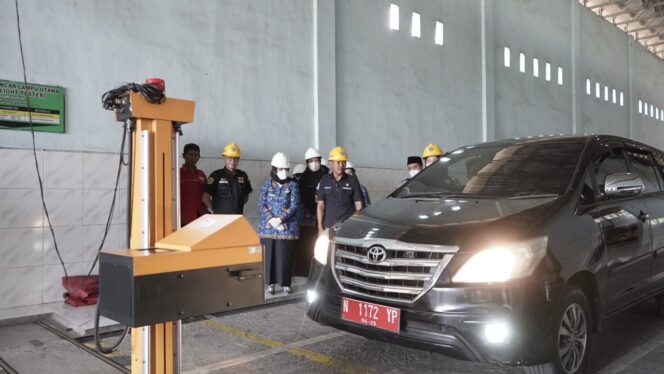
{"points": [[338, 194], [227, 189]]}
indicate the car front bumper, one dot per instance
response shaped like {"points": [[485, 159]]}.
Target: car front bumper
{"points": [[455, 320]]}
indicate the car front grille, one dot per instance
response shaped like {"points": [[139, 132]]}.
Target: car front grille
{"points": [[403, 274]]}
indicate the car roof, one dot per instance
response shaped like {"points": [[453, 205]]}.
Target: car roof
{"points": [[562, 138]]}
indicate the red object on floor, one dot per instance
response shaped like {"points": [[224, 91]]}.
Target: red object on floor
{"points": [[81, 289]]}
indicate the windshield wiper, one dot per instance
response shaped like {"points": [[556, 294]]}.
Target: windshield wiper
{"points": [[448, 195], [530, 195], [425, 194]]}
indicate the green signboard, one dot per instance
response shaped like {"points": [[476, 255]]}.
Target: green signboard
{"points": [[47, 105]]}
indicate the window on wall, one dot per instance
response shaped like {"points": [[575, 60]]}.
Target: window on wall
{"points": [[560, 76], [547, 72], [506, 57], [589, 88], [522, 62], [438, 37], [622, 102], [598, 90], [606, 93], [640, 106], [535, 67], [614, 96], [415, 26], [394, 17]]}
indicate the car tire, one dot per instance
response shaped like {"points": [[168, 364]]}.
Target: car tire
{"points": [[660, 305], [572, 333], [573, 298]]}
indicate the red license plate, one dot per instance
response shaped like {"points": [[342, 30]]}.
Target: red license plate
{"points": [[369, 314]]}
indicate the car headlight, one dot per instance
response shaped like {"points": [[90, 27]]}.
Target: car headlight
{"points": [[322, 247], [502, 263]]}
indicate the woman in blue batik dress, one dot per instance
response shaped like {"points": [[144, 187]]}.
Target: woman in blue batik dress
{"points": [[278, 228]]}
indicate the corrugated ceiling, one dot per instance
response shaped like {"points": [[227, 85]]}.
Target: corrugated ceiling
{"points": [[642, 19]]}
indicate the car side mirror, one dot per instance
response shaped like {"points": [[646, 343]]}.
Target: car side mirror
{"points": [[623, 184]]}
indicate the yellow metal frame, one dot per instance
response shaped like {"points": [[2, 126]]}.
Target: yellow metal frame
{"points": [[158, 120]]}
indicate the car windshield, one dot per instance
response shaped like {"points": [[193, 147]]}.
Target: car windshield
{"points": [[498, 170]]}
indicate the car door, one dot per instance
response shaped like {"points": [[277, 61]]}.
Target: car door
{"points": [[626, 235], [656, 212]]}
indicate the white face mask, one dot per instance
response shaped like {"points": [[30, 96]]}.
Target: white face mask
{"points": [[314, 166], [282, 174], [413, 172]]}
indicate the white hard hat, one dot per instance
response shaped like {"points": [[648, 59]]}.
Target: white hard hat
{"points": [[311, 153], [299, 168], [279, 160], [349, 165]]}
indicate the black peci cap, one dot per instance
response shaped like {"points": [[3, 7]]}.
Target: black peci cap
{"points": [[414, 160]]}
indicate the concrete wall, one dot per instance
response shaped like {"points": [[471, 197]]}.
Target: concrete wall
{"points": [[285, 75], [524, 104], [247, 63], [396, 93]]}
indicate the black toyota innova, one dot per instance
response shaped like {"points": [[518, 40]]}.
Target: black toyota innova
{"points": [[509, 252]]}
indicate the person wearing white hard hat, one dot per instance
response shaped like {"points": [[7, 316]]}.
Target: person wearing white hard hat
{"points": [[315, 170], [278, 203], [350, 170], [308, 182]]}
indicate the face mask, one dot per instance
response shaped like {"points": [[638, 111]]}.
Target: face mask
{"points": [[282, 174], [314, 166], [413, 172]]}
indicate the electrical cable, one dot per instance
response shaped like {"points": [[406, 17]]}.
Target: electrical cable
{"points": [[115, 191], [34, 148], [113, 99], [127, 127], [152, 94]]}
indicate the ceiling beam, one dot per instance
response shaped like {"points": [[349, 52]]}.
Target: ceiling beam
{"points": [[647, 26], [599, 5], [638, 19], [616, 14], [650, 37], [655, 44]]}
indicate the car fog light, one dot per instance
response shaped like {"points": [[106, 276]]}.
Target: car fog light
{"points": [[496, 332], [312, 296]]}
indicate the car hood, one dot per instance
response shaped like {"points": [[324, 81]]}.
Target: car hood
{"points": [[448, 221]]}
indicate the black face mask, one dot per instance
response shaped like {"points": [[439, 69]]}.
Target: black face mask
{"points": [[275, 177]]}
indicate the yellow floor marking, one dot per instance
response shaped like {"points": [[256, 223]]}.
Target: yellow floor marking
{"points": [[343, 365], [92, 346]]}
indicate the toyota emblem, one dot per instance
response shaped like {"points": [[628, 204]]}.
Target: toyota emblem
{"points": [[376, 254]]}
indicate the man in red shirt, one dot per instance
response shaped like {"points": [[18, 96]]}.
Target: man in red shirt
{"points": [[192, 184]]}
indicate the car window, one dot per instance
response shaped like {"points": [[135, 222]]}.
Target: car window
{"points": [[659, 167], [499, 170], [609, 163], [642, 164]]}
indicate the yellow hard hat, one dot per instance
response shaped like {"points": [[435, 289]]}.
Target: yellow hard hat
{"points": [[337, 154], [231, 150], [432, 150]]}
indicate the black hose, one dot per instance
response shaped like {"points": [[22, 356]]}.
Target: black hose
{"points": [[115, 345]]}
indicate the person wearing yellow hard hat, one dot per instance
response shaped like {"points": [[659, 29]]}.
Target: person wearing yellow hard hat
{"points": [[431, 154], [338, 194], [227, 189]]}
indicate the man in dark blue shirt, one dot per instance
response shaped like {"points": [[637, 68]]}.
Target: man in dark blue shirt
{"points": [[338, 195]]}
